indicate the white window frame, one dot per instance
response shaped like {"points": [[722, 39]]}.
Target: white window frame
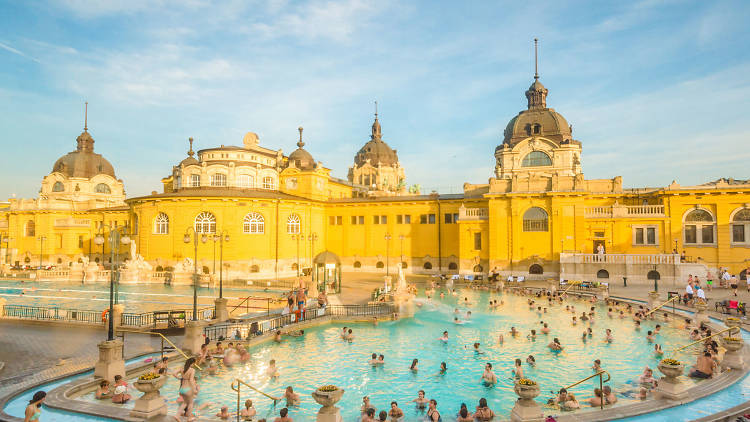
{"points": [[253, 223], [293, 224], [699, 225], [219, 179], [161, 224], [645, 228], [195, 180], [269, 183], [245, 181], [205, 222], [733, 223]]}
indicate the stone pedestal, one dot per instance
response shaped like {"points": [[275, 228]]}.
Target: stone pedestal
{"points": [[733, 355], [193, 340], [671, 386], [602, 293], [110, 361], [222, 314], [151, 403], [526, 408], [117, 311], [653, 300], [327, 399], [700, 314]]}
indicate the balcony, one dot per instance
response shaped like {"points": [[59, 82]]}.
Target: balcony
{"points": [[473, 214], [617, 258], [72, 222], [625, 211]]}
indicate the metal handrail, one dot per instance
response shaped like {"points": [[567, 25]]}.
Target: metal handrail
{"points": [[660, 306], [705, 338], [163, 337], [572, 284], [601, 382], [237, 389], [246, 301]]}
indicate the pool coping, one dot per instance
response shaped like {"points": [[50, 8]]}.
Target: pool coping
{"points": [[60, 397]]}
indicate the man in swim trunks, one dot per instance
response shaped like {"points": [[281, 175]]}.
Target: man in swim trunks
{"points": [[704, 366], [488, 377]]}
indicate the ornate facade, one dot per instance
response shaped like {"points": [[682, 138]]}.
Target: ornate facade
{"points": [[536, 215]]}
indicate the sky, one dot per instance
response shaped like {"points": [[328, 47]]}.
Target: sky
{"points": [[656, 91]]}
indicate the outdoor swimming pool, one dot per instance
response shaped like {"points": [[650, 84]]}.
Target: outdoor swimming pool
{"points": [[136, 297], [321, 357]]}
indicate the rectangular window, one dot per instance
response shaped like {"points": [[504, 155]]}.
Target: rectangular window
{"points": [[331, 220], [639, 236], [339, 220], [375, 219], [598, 234], [691, 234], [218, 179], [707, 234], [451, 218], [651, 235], [431, 218], [383, 219], [80, 242], [354, 219], [477, 241], [423, 219], [361, 219], [195, 180], [738, 233], [407, 219], [399, 219]]}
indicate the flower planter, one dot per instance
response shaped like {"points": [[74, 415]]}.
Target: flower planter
{"points": [[732, 344], [151, 403], [732, 322], [671, 371], [671, 386], [327, 399], [733, 356], [526, 392], [526, 408]]}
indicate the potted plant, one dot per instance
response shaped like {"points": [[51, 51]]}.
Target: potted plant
{"points": [[327, 396], [732, 344], [671, 368], [149, 384], [732, 322], [526, 389]]}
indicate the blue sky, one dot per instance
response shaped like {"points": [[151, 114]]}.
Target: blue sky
{"points": [[655, 90]]}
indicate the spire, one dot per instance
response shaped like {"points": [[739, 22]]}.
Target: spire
{"points": [[86, 117], [376, 135], [536, 59], [190, 151], [300, 144], [84, 141], [537, 93]]}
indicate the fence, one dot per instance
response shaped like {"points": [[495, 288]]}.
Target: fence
{"points": [[170, 317], [51, 314], [256, 327]]}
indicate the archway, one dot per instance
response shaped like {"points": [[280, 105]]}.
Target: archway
{"points": [[403, 265], [653, 275], [602, 274], [453, 266], [536, 269], [357, 264], [478, 268], [427, 265], [380, 265]]}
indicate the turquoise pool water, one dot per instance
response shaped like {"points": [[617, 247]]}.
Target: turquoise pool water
{"points": [[137, 298], [321, 357]]}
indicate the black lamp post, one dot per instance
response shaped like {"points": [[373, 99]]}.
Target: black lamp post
{"points": [[297, 238], [115, 239], [186, 239], [41, 249], [221, 237], [387, 238], [401, 238]]}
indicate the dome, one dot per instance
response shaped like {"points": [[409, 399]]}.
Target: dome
{"points": [[190, 160], [376, 150], [537, 120], [83, 162], [300, 158]]}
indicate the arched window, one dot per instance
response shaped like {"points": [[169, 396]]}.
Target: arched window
{"points": [[58, 187], [159, 269], [453, 266], [478, 268], [536, 159], [245, 181], [380, 264], [403, 265], [427, 265], [741, 226], [699, 228], [294, 267], [536, 269], [253, 223], [653, 275], [254, 269], [292, 224], [205, 222], [30, 229], [102, 188], [269, 183], [218, 179], [535, 220], [357, 264], [206, 270], [161, 224], [602, 274]]}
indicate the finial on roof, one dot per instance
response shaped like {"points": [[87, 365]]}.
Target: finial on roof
{"points": [[536, 59], [300, 144], [190, 151], [376, 110], [86, 116]]}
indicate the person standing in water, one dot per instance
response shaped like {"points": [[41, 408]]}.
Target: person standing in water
{"points": [[188, 389], [34, 408]]}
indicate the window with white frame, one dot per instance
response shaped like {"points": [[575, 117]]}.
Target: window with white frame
{"points": [[161, 224], [645, 236], [269, 183], [245, 181], [253, 223], [741, 226], [205, 222], [218, 179], [195, 180], [699, 228], [293, 224]]}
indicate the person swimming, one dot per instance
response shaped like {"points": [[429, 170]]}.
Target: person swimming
{"points": [[444, 338], [476, 349], [488, 377], [531, 361], [421, 401], [414, 364], [555, 345], [517, 371]]}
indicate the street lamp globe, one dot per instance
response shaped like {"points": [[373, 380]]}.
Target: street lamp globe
{"points": [[204, 238], [226, 238], [186, 239], [99, 239], [125, 240]]}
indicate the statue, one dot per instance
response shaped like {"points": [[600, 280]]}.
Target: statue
{"points": [[132, 250], [401, 286]]}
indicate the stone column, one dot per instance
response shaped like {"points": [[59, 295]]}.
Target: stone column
{"points": [[670, 385], [602, 293], [552, 285], [117, 311], [193, 337], [526, 408], [110, 361], [222, 314], [653, 300]]}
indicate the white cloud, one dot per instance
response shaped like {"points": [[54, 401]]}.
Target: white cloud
{"points": [[7, 47]]}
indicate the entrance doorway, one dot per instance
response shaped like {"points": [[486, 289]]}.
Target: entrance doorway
{"points": [[598, 242]]}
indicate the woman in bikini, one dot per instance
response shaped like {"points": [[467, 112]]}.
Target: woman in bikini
{"points": [[432, 413], [34, 409], [188, 389]]}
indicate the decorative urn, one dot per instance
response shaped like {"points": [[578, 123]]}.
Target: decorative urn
{"points": [[327, 396], [732, 344], [150, 384], [526, 389], [671, 368]]}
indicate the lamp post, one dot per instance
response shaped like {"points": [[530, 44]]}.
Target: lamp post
{"points": [[6, 240], [41, 249], [387, 238], [115, 239], [401, 238], [312, 237], [186, 239], [297, 238], [220, 237]]}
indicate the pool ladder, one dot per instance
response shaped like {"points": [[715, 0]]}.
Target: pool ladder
{"points": [[239, 383]]}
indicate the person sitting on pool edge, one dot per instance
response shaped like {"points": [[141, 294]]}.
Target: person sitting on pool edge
{"points": [[704, 366]]}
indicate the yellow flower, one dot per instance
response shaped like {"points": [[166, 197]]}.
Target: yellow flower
{"points": [[328, 388], [525, 381], [671, 362]]}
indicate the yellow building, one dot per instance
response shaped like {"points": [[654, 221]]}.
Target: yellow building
{"points": [[537, 215]]}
